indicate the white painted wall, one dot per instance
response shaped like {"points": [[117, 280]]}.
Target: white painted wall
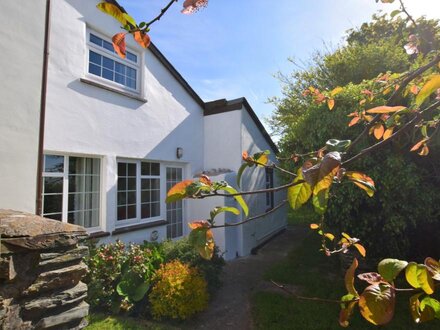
{"points": [[22, 37], [87, 120]]}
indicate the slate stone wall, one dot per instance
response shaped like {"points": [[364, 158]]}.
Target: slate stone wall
{"points": [[40, 273]]}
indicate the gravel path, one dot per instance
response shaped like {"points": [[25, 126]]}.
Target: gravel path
{"points": [[231, 308]]}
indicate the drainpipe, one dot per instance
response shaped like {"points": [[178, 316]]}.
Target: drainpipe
{"points": [[39, 206]]}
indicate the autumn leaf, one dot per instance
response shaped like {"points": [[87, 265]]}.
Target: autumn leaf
{"points": [[361, 249], [430, 87], [378, 131], [336, 91], [119, 44], [112, 10], [142, 38], [362, 181], [371, 278], [418, 145], [330, 104], [314, 226], [202, 238], [178, 191], [385, 109], [377, 303], [414, 89], [418, 276], [424, 151], [388, 132], [354, 121], [192, 6], [349, 278]]}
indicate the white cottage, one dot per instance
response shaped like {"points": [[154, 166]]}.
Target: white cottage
{"points": [[120, 132]]}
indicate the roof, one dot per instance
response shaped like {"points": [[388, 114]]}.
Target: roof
{"points": [[210, 108], [222, 105]]}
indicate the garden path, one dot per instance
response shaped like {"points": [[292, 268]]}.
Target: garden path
{"points": [[242, 277]]}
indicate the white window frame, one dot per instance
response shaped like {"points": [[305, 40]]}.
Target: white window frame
{"points": [[181, 167], [162, 194], [113, 56], [65, 194]]}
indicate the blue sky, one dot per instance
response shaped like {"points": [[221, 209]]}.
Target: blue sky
{"points": [[233, 48]]}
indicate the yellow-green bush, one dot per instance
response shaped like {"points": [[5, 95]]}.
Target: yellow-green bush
{"points": [[179, 291]]}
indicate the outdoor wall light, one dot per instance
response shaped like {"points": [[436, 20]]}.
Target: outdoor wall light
{"points": [[179, 153]]}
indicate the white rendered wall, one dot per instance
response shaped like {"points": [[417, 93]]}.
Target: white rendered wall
{"points": [[87, 120], [256, 232], [22, 36], [223, 141]]}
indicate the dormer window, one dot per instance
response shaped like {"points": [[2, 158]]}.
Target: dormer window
{"points": [[105, 65]]}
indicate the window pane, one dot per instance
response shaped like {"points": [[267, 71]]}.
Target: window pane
{"points": [[120, 68], [131, 83], [54, 216], [76, 202], [145, 196], [53, 185], [145, 211], [96, 40], [131, 184], [95, 58], [94, 69], [122, 213], [131, 212], [155, 209], [155, 169], [53, 203], [145, 168], [108, 63], [76, 218], [108, 45], [131, 57], [76, 165], [122, 198], [122, 169], [155, 184], [131, 198], [131, 169], [131, 73], [107, 74], [122, 184], [54, 163], [119, 79]]}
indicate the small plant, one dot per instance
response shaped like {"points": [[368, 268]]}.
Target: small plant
{"points": [[118, 276], [179, 291], [183, 251]]}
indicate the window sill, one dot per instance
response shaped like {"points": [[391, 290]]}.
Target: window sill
{"points": [[139, 227], [99, 234], [111, 89]]}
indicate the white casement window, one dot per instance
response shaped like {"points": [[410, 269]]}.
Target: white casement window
{"points": [[269, 185], [139, 191], [175, 209], [105, 65], [71, 189]]}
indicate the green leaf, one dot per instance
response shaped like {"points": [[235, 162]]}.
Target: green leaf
{"points": [[418, 276], [202, 239], [299, 194], [132, 286], [336, 91], [320, 201], [377, 302], [390, 268], [115, 12], [238, 198], [349, 278], [434, 307], [217, 210], [395, 12], [337, 145], [430, 87], [346, 309], [240, 172]]}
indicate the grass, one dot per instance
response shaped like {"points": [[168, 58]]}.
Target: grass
{"points": [[105, 322], [315, 275]]}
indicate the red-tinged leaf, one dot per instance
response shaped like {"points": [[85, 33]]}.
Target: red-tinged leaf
{"points": [[319, 98], [385, 109], [245, 155], [331, 104], [378, 131], [371, 278], [198, 224], [114, 11], [433, 267], [314, 226], [202, 239], [418, 145], [368, 118], [414, 89], [320, 171], [353, 114], [377, 303], [192, 6], [430, 87], [418, 276], [362, 181], [119, 44], [361, 249], [367, 93], [354, 121], [205, 180], [178, 191], [388, 132], [142, 38], [349, 278], [424, 151]]}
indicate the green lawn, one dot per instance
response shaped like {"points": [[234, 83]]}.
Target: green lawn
{"points": [[317, 276], [104, 322]]}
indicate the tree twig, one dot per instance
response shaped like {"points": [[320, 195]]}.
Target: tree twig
{"points": [[162, 12]]}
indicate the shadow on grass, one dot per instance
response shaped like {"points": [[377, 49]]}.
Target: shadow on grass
{"points": [[315, 275], [105, 322]]}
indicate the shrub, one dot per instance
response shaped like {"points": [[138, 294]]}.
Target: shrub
{"points": [[179, 291], [183, 251], [118, 276]]}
